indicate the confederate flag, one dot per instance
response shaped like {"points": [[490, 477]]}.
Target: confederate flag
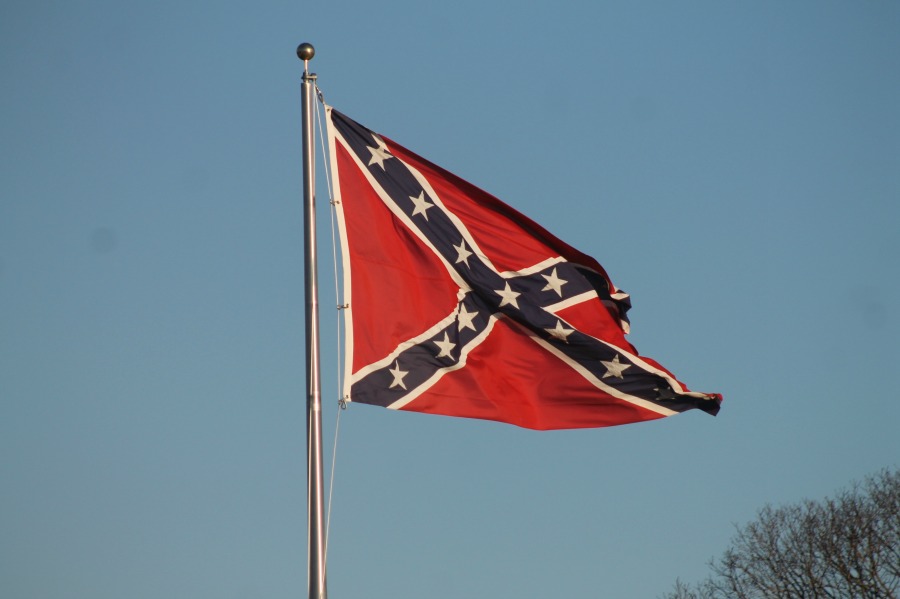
{"points": [[460, 305]]}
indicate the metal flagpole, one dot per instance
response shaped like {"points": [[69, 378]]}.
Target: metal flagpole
{"points": [[314, 484]]}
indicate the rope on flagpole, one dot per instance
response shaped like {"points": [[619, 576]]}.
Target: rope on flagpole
{"points": [[337, 293]]}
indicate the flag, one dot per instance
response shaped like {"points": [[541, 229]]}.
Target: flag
{"points": [[459, 305]]}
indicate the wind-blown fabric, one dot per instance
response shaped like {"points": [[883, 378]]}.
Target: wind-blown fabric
{"points": [[459, 305]]}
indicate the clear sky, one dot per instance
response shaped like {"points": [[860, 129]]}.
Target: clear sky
{"points": [[735, 166]]}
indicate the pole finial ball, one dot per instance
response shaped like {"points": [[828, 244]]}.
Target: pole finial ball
{"points": [[305, 51]]}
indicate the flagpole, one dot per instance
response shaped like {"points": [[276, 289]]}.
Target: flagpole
{"points": [[314, 482]]}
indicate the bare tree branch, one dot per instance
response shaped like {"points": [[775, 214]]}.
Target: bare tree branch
{"points": [[845, 547]]}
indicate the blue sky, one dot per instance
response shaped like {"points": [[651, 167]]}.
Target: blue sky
{"points": [[735, 166]]}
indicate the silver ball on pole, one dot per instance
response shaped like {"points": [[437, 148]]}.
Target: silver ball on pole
{"points": [[305, 51]]}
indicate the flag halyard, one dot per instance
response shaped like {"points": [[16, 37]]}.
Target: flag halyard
{"points": [[459, 305]]}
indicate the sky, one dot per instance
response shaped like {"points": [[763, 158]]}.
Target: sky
{"points": [[735, 166]]}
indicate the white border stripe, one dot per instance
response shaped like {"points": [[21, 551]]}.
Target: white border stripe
{"points": [[347, 296], [530, 270], [572, 301]]}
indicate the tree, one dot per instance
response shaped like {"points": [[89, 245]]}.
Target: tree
{"points": [[845, 547]]}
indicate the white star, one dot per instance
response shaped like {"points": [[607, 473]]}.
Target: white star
{"points": [[560, 332], [421, 205], [554, 283], [446, 345], [466, 318], [509, 296], [463, 253], [379, 154], [615, 368], [398, 376]]}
